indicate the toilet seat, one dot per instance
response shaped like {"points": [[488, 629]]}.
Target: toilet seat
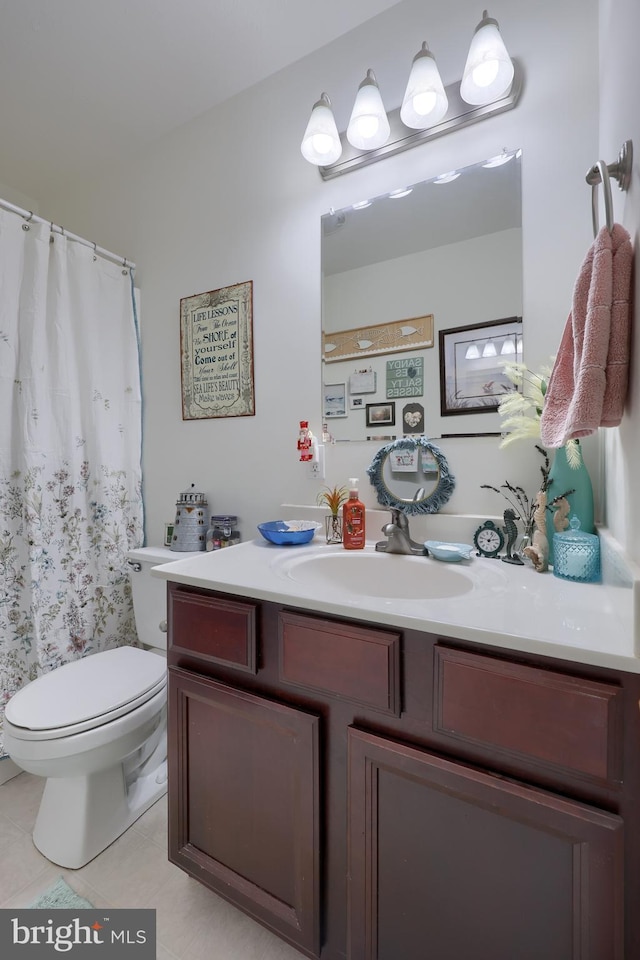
{"points": [[86, 693]]}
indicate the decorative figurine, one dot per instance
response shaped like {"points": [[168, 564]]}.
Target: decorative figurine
{"points": [[511, 532], [561, 515], [538, 551]]}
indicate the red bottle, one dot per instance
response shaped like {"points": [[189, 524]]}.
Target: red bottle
{"points": [[353, 520]]}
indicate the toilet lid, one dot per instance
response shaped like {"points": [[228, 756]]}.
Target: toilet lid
{"points": [[88, 689]]}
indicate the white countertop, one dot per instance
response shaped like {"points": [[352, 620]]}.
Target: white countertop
{"points": [[503, 605]]}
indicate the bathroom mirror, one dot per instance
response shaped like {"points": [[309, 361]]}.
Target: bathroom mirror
{"points": [[411, 473], [398, 269]]}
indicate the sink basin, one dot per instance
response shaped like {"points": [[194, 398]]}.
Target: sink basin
{"points": [[378, 575]]}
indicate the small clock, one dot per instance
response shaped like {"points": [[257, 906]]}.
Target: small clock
{"points": [[489, 539]]}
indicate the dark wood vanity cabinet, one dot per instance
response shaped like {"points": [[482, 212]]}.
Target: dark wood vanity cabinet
{"points": [[373, 793]]}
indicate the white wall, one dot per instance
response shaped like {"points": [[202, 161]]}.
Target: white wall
{"points": [[620, 121], [228, 198]]}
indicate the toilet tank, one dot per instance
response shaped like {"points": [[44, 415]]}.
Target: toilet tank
{"points": [[150, 593]]}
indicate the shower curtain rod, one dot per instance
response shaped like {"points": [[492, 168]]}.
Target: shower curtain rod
{"points": [[32, 218]]}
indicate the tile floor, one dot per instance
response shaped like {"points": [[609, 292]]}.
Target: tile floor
{"points": [[192, 923]]}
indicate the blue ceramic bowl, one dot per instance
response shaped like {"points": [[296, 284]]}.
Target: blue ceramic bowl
{"points": [[285, 532]]}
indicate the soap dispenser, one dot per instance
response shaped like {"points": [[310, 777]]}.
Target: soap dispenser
{"points": [[353, 519]]}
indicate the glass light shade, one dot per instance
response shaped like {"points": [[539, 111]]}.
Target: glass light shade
{"points": [[425, 102], [508, 347], [321, 142], [488, 71], [489, 349], [519, 345], [472, 352], [447, 177], [498, 161], [369, 126]]}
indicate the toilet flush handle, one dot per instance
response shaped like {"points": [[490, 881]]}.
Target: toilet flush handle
{"points": [[135, 565]]}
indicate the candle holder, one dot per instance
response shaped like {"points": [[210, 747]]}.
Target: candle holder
{"points": [[576, 555]]}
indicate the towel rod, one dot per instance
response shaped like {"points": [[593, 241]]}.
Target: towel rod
{"points": [[601, 172]]}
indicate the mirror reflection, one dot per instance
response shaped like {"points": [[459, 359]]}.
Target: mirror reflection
{"points": [[411, 474], [399, 269]]}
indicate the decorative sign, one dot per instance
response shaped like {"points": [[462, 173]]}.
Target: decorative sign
{"points": [[413, 418], [405, 378], [381, 338], [216, 353], [403, 460]]}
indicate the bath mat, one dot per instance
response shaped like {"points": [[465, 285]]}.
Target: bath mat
{"points": [[60, 896]]}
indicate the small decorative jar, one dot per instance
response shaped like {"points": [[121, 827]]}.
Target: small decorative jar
{"points": [[222, 532], [576, 555]]}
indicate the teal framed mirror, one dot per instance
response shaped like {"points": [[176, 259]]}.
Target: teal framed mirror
{"points": [[413, 475]]}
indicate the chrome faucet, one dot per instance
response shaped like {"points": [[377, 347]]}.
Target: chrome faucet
{"points": [[398, 536]]}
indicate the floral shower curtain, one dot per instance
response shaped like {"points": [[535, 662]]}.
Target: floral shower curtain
{"points": [[70, 447]]}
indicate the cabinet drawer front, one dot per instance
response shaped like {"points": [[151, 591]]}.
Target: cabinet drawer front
{"points": [[213, 628], [352, 663], [540, 715]]}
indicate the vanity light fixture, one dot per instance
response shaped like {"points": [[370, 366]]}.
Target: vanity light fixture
{"points": [[491, 84], [488, 71], [489, 349], [425, 102], [369, 126], [508, 347], [321, 142]]}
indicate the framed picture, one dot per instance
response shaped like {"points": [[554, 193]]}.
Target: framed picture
{"points": [[216, 353], [472, 377], [334, 400], [381, 414], [364, 381], [356, 403]]}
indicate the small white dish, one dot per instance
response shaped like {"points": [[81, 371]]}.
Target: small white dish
{"points": [[449, 552]]}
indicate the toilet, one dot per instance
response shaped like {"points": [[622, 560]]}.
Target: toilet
{"points": [[96, 729]]}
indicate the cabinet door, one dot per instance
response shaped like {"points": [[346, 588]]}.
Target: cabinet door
{"points": [[449, 862], [244, 802]]}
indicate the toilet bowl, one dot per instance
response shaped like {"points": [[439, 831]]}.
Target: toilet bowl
{"points": [[96, 729]]}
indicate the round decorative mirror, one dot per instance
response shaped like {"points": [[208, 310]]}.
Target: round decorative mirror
{"points": [[413, 475]]}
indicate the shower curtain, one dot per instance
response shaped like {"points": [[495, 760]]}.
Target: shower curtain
{"points": [[70, 449]]}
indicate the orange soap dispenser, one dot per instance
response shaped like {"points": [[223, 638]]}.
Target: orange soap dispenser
{"points": [[353, 519]]}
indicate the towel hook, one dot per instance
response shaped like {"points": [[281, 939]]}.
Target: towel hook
{"points": [[601, 172]]}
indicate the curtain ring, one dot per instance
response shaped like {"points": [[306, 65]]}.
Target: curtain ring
{"points": [[95, 252], [125, 272], [25, 225]]}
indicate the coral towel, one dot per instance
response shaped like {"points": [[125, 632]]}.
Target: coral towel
{"points": [[588, 383]]}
